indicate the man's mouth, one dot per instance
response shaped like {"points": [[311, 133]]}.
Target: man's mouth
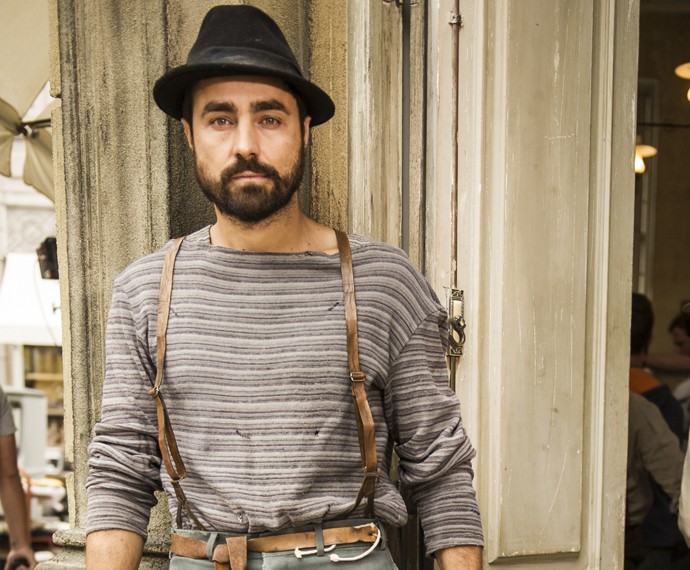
{"points": [[249, 175]]}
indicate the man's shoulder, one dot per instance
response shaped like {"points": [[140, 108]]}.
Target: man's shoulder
{"points": [[148, 267], [384, 268], [366, 250]]}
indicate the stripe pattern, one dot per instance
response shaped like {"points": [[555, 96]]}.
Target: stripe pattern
{"points": [[257, 388]]}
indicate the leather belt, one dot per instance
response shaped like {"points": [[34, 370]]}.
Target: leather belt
{"points": [[198, 549]]}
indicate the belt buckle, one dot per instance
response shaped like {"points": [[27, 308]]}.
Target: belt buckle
{"points": [[335, 558]]}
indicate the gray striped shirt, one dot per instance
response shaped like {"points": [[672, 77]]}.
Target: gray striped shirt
{"points": [[258, 391]]}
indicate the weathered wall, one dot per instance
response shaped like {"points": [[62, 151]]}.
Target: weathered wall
{"points": [[328, 49], [665, 44], [124, 178]]}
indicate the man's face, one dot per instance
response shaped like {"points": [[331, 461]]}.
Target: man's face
{"points": [[681, 340], [248, 144]]}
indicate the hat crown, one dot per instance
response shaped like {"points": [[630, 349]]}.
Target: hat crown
{"points": [[227, 32]]}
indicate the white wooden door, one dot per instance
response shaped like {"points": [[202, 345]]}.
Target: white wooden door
{"points": [[546, 103], [546, 137]]}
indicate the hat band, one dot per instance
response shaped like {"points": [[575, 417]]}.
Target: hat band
{"points": [[252, 59]]}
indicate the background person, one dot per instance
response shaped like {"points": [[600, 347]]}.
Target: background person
{"points": [[658, 532], [653, 455], [11, 491]]}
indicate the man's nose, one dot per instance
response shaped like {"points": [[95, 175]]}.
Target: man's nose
{"points": [[246, 142]]}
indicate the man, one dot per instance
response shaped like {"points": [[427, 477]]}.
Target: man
{"points": [[658, 532], [679, 329], [11, 493], [653, 451], [259, 356], [677, 362]]}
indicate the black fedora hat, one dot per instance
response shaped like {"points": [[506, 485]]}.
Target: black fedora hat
{"points": [[240, 40]]}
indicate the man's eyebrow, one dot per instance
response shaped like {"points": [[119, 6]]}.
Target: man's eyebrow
{"points": [[215, 106], [268, 105]]}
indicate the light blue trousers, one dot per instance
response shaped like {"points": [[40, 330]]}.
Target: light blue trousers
{"points": [[378, 559]]}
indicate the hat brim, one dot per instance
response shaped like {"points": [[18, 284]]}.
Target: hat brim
{"points": [[170, 89]]}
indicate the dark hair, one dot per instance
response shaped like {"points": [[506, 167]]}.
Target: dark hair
{"points": [[641, 324], [187, 101], [187, 106], [680, 321]]}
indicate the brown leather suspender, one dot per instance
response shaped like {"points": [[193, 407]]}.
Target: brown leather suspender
{"points": [[365, 421], [166, 438]]}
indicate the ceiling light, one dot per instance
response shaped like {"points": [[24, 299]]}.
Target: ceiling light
{"points": [[683, 70], [643, 151]]}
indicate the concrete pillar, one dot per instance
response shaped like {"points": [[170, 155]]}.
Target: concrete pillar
{"points": [[125, 183]]}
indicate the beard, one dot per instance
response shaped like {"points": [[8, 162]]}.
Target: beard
{"points": [[250, 202]]}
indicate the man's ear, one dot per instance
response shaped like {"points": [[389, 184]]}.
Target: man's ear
{"points": [[305, 130], [188, 133]]}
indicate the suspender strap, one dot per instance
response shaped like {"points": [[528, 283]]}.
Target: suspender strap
{"points": [[365, 421], [166, 438]]}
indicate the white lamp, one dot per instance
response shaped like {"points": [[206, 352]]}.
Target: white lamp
{"points": [[642, 151], [683, 71]]}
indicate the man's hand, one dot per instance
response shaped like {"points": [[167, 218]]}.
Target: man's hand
{"points": [[460, 558], [17, 557], [107, 549]]}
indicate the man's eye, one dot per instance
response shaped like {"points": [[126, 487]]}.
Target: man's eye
{"points": [[270, 121], [220, 121]]}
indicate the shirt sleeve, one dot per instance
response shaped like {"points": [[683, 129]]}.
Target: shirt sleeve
{"points": [[434, 449], [124, 460], [684, 505], [660, 452]]}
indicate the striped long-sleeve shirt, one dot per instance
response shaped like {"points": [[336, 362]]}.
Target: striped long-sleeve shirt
{"points": [[258, 391]]}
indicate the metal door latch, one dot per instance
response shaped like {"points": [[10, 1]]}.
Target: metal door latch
{"points": [[456, 322]]}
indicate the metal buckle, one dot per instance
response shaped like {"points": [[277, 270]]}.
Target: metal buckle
{"points": [[357, 376]]}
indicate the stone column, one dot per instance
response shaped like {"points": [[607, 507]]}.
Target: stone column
{"points": [[112, 201], [125, 184]]}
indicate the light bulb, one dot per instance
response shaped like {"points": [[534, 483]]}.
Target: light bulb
{"points": [[639, 165]]}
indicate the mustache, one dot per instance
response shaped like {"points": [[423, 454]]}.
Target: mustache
{"points": [[248, 165]]}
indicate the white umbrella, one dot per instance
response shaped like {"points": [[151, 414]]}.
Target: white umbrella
{"points": [[24, 67]]}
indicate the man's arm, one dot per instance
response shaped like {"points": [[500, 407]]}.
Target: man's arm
{"points": [[684, 505], [460, 558], [658, 448], [106, 549], [14, 502], [669, 362], [124, 461]]}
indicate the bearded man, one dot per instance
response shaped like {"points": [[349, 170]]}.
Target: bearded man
{"points": [[273, 453]]}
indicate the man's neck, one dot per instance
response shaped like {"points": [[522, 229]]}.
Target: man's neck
{"points": [[638, 360], [289, 231]]}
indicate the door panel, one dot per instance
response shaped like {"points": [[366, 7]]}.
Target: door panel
{"points": [[546, 100], [542, 213]]}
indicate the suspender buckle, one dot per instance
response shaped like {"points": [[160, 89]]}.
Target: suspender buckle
{"points": [[357, 376], [155, 392]]}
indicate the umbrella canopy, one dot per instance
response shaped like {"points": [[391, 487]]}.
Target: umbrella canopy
{"points": [[24, 68]]}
